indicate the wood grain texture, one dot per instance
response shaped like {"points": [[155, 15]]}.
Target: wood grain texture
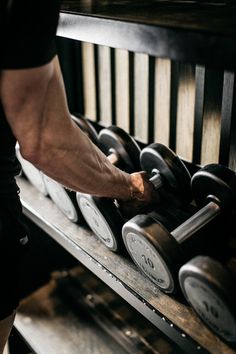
{"points": [[122, 89], [212, 117], [185, 111], [105, 85], [162, 101], [141, 97], [89, 84], [49, 326], [186, 14]]}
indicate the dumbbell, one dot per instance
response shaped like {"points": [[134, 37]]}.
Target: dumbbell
{"points": [[64, 198], [166, 172], [101, 214], [210, 288], [214, 188], [34, 176]]}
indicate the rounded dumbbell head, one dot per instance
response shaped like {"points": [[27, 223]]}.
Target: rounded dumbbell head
{"points": [[210, 289], [116, 140], [175, 176], [215, 182], [154, 250], [103, 218], [64, 199], [34, 176], [86, 127]]}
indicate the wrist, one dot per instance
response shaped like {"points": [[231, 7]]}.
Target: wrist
{"points": [[136, 186]]}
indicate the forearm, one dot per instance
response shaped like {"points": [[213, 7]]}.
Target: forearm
{"points": [[50, 140]]}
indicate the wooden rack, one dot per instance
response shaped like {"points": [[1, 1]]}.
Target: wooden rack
{"points": [[175, 319], [198, 34]]}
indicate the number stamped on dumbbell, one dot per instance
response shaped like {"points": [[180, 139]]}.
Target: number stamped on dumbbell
{"points": [[61, 199], [97, 222], [211, 307], [148, 259]]}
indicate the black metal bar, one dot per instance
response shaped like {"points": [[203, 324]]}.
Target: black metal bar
{"points": [[113, 86], [173, 103], [96, 62], [66, 56], [227, 117], [198, 114], [79, 91], [151, 98], [131, 93]]}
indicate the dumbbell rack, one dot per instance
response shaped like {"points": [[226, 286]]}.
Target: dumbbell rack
{"points": [[192, 34]]}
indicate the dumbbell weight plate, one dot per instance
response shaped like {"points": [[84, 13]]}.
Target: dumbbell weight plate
{"points": [[32, 173], [217, 182], [176, 178], [158, 257], [208, 287], [116, 139], [86, 127], [64, 199], [103, 218]]}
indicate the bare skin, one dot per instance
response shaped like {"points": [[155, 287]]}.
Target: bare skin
{"points": [[35, 104]]}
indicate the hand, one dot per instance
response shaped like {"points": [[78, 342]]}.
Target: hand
{"points": [[143, 199]]}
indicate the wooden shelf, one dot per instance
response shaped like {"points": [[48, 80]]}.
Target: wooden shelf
{"points": [[172, 317], [190, 32], [49, 326]]}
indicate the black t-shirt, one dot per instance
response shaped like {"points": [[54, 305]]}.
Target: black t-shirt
{"points": [[27, 40]]}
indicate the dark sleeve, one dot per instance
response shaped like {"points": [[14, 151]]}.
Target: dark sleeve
{"points": [[27, 32]]}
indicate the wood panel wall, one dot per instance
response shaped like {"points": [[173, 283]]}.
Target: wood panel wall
{"points": [[188, 107]]}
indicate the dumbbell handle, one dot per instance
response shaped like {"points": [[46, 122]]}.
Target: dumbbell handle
{"points": [[113, 157], [156, 179], [196, 222]]}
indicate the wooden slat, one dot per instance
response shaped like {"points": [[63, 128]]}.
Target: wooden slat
{"points": [[185, 112], [122, 89], [89, 81], [105, 85], [162, 101], [199, 109], [212, 117], [141, 97], [228, 125]]}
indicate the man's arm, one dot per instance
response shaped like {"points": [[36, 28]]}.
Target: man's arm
{"points": [[35, 105]]}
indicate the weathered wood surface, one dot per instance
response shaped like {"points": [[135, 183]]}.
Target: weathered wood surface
{"points": [[50, 326], [188, 15], [122, 269]]}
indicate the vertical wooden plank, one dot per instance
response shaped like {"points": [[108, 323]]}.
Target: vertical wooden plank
{"points": [[89, 80], [199, 108], [162, 101], [141, 97], [212, 117], [185, 111], [227, 144], [105, 85], [122, 89]]}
